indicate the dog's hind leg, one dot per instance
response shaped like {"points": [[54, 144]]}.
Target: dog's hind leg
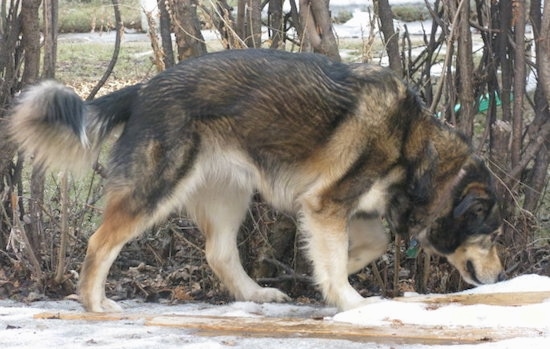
{"points": [[151, 174], [119, 225], [367, 240], [219, 210]]}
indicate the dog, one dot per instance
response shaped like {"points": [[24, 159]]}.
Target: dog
{"points": [[342, 146]]}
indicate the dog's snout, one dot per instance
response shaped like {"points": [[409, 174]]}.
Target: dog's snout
{"points": [[472, 271]]}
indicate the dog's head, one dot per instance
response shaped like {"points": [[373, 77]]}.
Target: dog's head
{"points": [[456, 216], [464, 230]]}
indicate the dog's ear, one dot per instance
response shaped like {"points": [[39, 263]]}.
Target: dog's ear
{"points": [[472, 204], [475, 209]]}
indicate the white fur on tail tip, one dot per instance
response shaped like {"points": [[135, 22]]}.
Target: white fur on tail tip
{"points": [[39, 125]]}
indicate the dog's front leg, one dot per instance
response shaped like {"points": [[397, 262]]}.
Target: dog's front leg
{"points": [[367, 240], [328, 249]]}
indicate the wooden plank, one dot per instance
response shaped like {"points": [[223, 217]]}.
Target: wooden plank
{"points": [[504, 299], [397, 332], [90, 316]]}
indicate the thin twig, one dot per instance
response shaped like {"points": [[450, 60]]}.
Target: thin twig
{"points": [[60, 270], [119, 27], [448, 58], [18, 230], [396, 265], [378, 277], [290, 275]]}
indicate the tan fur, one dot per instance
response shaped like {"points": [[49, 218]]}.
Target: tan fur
{"points": [[119, 226], [483, 255], [367, 242]]}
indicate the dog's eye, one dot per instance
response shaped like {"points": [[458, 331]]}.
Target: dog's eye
{"points": [[479, 210]]}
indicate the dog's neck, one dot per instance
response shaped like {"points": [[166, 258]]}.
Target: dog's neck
{"points": [[439, 156], [419, 236]]}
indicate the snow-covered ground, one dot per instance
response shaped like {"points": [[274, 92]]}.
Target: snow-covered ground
{"points": [[19, 329]]}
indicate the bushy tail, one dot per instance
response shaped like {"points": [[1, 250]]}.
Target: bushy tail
{"points": [[52, 123]]}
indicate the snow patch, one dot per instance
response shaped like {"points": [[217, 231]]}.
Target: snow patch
{"points": [[18, 328]]}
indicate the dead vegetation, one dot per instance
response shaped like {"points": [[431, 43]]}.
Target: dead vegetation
{"points": [[167, 264]]}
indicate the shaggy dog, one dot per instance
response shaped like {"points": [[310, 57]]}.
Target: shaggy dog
{"points": [[341, 146]]}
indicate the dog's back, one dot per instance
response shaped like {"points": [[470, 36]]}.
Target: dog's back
{"points": [[272, 120]]}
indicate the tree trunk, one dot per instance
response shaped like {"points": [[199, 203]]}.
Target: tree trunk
{"points": [[275, 24], [187, 28], [544, 44], [240, 28], [10, 68], [31, 43], [391, 38], [31, 39], [503, 54], [248, 26], [317, 34], [465, 72], [501, 127], [231, 30], [519, 81], [537, 180], [253, 23], [165, 34], [50, 10]]}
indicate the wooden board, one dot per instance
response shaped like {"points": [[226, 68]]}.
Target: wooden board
{"points": [[397, 332], [268, 327], [504, 299]]}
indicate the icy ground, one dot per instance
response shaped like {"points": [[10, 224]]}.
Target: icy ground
{"points": [[18, 328]]}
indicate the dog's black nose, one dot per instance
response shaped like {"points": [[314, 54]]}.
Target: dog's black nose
{"points": [[501, 277]]}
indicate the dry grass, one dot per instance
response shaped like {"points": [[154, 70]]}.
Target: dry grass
{"points": [[96, 15]]}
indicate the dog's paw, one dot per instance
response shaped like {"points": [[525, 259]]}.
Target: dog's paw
{"points": [[105, 306], [268, 295], [110, 306], [361, 303]]}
